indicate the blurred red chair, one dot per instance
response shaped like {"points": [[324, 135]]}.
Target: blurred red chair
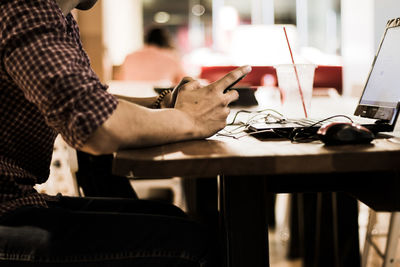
{"points": [[329, 77], [325, 76]]}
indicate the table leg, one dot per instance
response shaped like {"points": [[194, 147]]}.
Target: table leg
{"points": [[242, 205], [328, 229]]}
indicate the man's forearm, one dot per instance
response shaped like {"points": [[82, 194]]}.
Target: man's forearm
{"points": [[134, 126], [142, 101]]}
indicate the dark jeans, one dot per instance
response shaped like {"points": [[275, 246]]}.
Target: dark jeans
{"points": [[104, 232]]}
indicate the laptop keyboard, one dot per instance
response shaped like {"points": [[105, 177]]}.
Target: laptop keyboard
{"points": [[290, 124], [308, 122]]}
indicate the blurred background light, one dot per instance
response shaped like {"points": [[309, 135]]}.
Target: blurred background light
{"points": [[228, 18], [162, 17], [198, 10]]}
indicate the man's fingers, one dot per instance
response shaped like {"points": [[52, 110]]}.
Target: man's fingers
{"points": [[231, 96], [231, 77], [184, 81], [191, 85]]}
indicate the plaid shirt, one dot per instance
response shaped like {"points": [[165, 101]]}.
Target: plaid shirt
{"points": [[46, 87]]}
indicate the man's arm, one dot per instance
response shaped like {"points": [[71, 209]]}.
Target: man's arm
{"points": [[199, 113], [142, 101]]}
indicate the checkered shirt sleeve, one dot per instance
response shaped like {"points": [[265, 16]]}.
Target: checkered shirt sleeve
{"points": [[43, 55]]}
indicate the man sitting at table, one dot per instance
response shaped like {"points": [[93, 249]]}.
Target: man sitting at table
{"points": [[49, 88]]}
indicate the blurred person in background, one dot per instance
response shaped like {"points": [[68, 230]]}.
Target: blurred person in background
{"points": [[156, 62]]}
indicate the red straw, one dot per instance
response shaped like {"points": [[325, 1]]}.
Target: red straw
{"points": [[297, 75]]}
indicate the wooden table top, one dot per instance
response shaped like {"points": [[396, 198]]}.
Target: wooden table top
{"points": [[249, 155], [252, 156]]}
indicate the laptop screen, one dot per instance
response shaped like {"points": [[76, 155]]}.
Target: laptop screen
{"points": [[381, 93], [383, 85]]}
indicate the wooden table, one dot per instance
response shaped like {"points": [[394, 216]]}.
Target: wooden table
{"points": [[249, 166]]}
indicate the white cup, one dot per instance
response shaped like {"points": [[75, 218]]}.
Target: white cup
{"points": [[293, 105]]}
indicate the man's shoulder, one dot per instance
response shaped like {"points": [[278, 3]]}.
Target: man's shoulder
{"points": [[28, 11], [22, 18]]}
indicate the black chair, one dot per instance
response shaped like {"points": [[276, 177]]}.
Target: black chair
{"points": [[94, 177]]}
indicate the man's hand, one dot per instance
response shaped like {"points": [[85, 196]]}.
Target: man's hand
{"points": [[207, 107], [170, 99]]}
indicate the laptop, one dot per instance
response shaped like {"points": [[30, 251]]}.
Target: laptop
{"points": [[378, 107]]}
